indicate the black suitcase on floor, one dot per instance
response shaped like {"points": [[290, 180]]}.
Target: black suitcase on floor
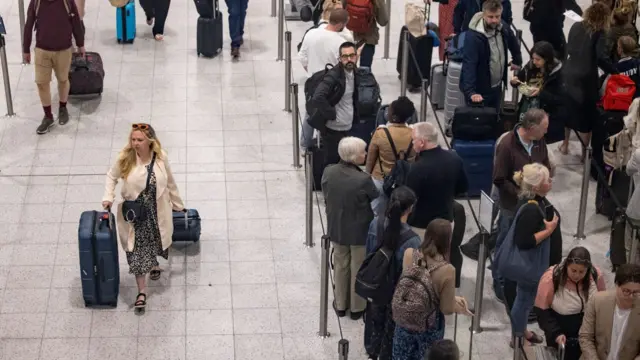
{"points": [[619, 182], [422, 48], [617, 249], [186, 226], [318, 165], [209, 34]]}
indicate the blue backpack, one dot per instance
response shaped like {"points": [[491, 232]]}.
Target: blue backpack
{"points": [[454, 47]]}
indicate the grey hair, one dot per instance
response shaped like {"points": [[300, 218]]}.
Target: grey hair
{"points": [[426, 131], [532, 118], [350, 147], [531, 176]]}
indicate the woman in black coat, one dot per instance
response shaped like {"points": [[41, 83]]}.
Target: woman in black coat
{"points": [[547, 22], [543, 73], [587, 51]]}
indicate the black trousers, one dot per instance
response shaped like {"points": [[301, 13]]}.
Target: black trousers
{"points": [[379, 328], [552, 32], [157, 10], [330, 140], [460, 223]]}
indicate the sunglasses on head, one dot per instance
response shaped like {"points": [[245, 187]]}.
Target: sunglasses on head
{"points": [[140, 126], [578, 261]]}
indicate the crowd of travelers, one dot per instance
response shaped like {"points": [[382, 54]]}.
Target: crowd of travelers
{"points": [[390, 195]]}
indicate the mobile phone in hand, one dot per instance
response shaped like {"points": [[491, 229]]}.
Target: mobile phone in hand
{"points": [[549, 212]]}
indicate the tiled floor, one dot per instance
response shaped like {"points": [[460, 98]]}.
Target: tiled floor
{"points": [[249, 290]]}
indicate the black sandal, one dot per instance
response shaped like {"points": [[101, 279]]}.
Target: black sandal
{"points": [[155, 274], [140, 303]]}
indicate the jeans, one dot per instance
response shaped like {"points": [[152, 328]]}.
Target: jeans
{"points": [[237, 15], [306, 135], [519, 299], [157, 10], [366, 56], [330, 140], [379, 204], [504, 223]]}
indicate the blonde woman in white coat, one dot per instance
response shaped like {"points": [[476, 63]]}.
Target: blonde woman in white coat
{"points": [[144, 240]]}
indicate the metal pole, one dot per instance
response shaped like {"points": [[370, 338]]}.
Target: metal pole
{"points": [[343, 349], [514, 90], [287, 70], [424, 98], [295, 130], [518, 347], [308, 157], [634, 245], [455, 327], [280, 29], [477, 301], [22, 17], [405, 63], [387, 32], [273, 8], [324, 287], [586, 175], [5, 76]]}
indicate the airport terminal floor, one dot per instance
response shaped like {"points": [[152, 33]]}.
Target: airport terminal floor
{"points": [[250, 289]]}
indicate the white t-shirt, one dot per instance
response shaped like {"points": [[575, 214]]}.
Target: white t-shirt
{"points": [[345, 33], [319, 48], [620, 318]]}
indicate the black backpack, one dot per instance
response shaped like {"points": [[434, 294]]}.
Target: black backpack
{"points": [[369, 96], [309, 29], [377, 277], [398, 175], [312, 83]]}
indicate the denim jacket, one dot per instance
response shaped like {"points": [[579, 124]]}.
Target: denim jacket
{"points": [[412, 242]]}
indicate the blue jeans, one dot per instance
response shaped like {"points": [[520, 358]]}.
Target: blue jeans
{"points": [[306, 135], [366, 57], [237, 15], [379, 204], [522, 306], [504, 223]]}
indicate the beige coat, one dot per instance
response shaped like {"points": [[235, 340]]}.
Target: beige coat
{"points": [[167, 197], [595, 333]]}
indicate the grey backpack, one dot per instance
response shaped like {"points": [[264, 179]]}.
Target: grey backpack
{"points": [[415, 301]]}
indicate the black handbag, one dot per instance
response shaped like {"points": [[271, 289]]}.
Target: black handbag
{"points": [[132, 210]]}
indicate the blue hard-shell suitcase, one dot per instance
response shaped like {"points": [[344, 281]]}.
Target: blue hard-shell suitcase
{"points": [[99, 266], [126, 23], [186, 226], [477, 157]]}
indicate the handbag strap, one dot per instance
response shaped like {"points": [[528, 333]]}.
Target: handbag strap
{"points": [[150, 170]]}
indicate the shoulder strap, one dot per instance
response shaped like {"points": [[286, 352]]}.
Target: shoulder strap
{"points": [[66, 6], [153, 160], [393, 146], [409, 148]]}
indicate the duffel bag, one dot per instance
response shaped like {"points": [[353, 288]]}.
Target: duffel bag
{"points": [[86, 74], [186, 226], [475, 123]]}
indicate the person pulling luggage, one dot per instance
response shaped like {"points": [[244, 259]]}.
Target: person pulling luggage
{"points": [[58, 21]]}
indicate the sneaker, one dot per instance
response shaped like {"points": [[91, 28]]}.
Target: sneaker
{"points": [[63, 116], [44, 127], [235, 53]]}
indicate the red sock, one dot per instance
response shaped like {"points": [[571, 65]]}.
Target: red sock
{"points": [[47, 111], [63, 104]]}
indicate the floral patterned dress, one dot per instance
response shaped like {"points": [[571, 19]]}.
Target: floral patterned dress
{"points": [[148, 244]]}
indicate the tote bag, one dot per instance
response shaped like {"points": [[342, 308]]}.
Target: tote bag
{"points": [[527, 103], [522, 266]]}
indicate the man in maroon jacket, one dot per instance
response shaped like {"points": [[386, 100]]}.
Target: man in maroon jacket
{"points": [[55, 22]]}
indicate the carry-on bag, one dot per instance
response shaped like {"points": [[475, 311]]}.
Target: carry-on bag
{"points": [[453, 97], [209, 34], [438, 86], [422, 48], [617, 246], [475, 123], [318, 162], [126, 23], [477, 157], [186, 226], [619, 182], [99, 266], [86, 74]]}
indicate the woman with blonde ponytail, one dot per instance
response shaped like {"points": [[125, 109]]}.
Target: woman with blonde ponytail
{"points": [[147, 181]]}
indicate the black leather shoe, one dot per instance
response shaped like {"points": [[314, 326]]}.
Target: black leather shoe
{"points": [[340, 313], [357, 315]]}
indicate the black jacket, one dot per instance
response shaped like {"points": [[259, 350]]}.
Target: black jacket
{"points": [[545, 11], [321, 106], [552, 98], [436, 177]]}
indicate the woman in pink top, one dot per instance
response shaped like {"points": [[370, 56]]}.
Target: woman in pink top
{"points": [[562, 296]]}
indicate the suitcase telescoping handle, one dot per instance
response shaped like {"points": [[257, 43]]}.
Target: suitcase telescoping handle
{"points": [[186, 219]]}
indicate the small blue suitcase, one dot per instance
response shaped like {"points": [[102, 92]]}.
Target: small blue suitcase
{"points": [[126, 23], [186, 226], [477, 157], [99, 266]]}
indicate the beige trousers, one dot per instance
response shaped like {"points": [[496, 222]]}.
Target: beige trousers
{"points": [[346, 262]]}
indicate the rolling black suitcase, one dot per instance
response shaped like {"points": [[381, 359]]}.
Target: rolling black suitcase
{"points": [[209, 34], [186, 226], [617, 249], [422, 49], [476, 123], [99, 266]]}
